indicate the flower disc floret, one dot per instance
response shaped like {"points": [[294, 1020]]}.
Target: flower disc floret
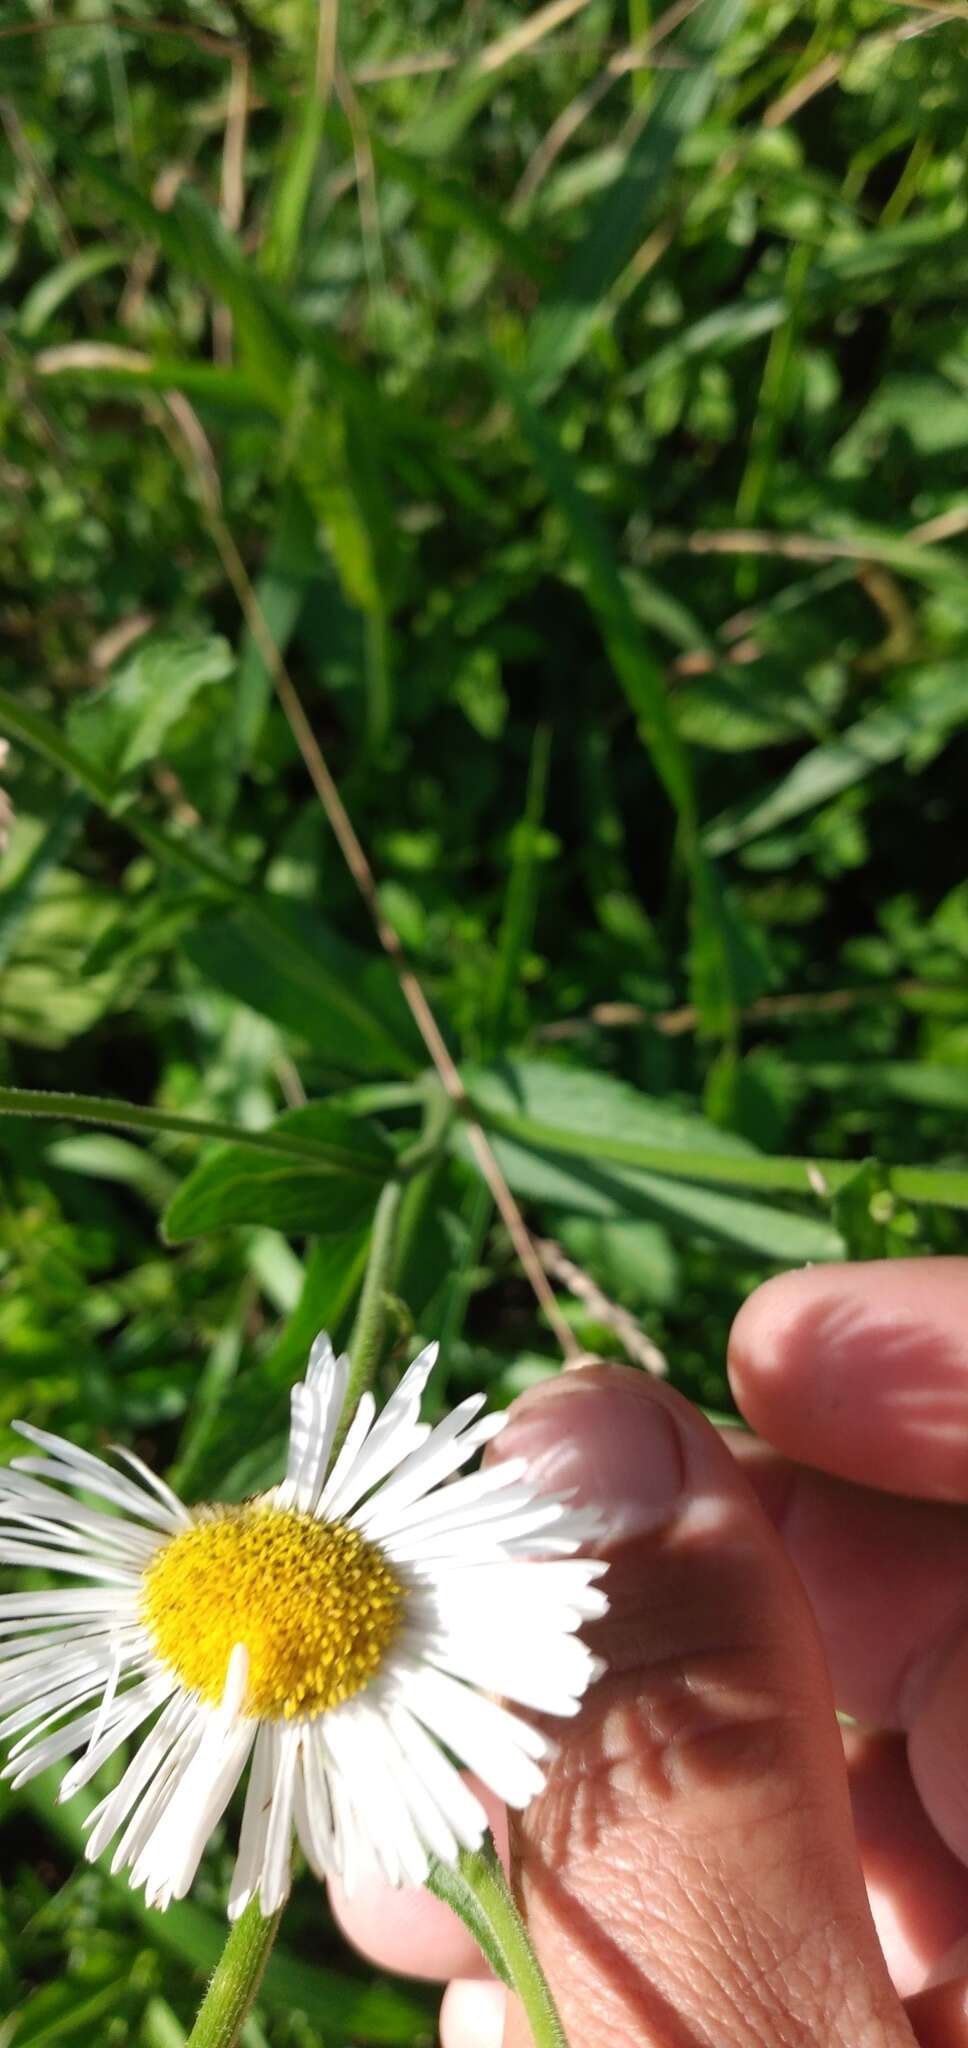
{"points": [[314, 1603]]}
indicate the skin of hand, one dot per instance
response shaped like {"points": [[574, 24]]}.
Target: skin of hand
{"points": [[714, 1862]]}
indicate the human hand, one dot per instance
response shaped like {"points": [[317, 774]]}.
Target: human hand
{"points": [[694, 1872]]}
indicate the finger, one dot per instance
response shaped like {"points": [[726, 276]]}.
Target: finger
{"points": [[937, 1746], [472, 2014], [886, 1578], [689, 1871], [939, 2014], [406, 1929], [939, 2017], [918, 1890], [862, 1370]]}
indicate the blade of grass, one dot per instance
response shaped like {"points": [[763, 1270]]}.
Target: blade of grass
{"points": [[520, 899], [627, 208]]}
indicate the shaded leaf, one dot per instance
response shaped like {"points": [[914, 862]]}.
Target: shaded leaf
{"points": [[238, 1185], [281, 959]]}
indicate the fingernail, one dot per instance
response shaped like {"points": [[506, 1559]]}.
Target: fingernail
{"points": [[615, 1445]]}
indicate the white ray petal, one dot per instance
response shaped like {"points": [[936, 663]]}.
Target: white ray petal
{"points": [[463, 1812], [57, 1560], [444, 1452], [313, 1807], [109, 1815], [316, 1405], [390, 1440], [171, 1855], [501, 1748], [350, 1449], [154, 1484], [274, 1881], [75, 1467], [358, 1750], [255, 1823], [148, 1810]]}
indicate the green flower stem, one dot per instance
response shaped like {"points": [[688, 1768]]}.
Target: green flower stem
{"points": [[479, 1893], [133, 1116], [364, 1350], [234, 1987], [367, 1339]]}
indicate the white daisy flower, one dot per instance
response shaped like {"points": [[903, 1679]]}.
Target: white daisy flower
{"points": [[341, 1632]]}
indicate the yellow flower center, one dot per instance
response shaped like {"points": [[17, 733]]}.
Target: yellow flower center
{"points": [[315, 1604]]}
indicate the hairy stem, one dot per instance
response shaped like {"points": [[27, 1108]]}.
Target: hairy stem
{"points": [[478, 1891], [234, 1987]]}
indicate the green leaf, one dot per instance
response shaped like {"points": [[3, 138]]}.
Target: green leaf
{"points": [[521, 895], [925, 1082], [50, 292], [125, 724], [551, 1128], [45, 738], [631, 1260], [18, 899], [936, 701], [129, 371], [628, 207], [728, 966], [456, 207], [290, 567], [863, 1210], [237, 1185], [572, 1112], [98, 1155], [452, 1887], [293, 185], [635, 666], [282, 960]]}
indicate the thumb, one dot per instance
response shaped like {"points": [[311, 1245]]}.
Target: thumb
{"points": [[689, 1873]]}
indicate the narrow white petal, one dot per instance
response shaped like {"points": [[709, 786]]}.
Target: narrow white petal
{"points": [[127, 1714], [401, 1766], [173, 1851], [109, 1815], [355, 1861], [443, 1453], [57, 1560], [255, 1823], [176, 1508], [274, 1883], [356, 1746], [392, 1438], [551, 1678], [493, 1742], [75, 1467], [20, 1495], [469, 1499], [316, 1405], [354, 1440], [93, 1600], [137, 1705], [321, 1360], [160, 1789], [313, 1810], [81, 1680], [463, 1812]]}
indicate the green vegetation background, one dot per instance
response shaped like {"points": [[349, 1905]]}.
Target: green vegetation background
{"points": [[591, 422]]}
